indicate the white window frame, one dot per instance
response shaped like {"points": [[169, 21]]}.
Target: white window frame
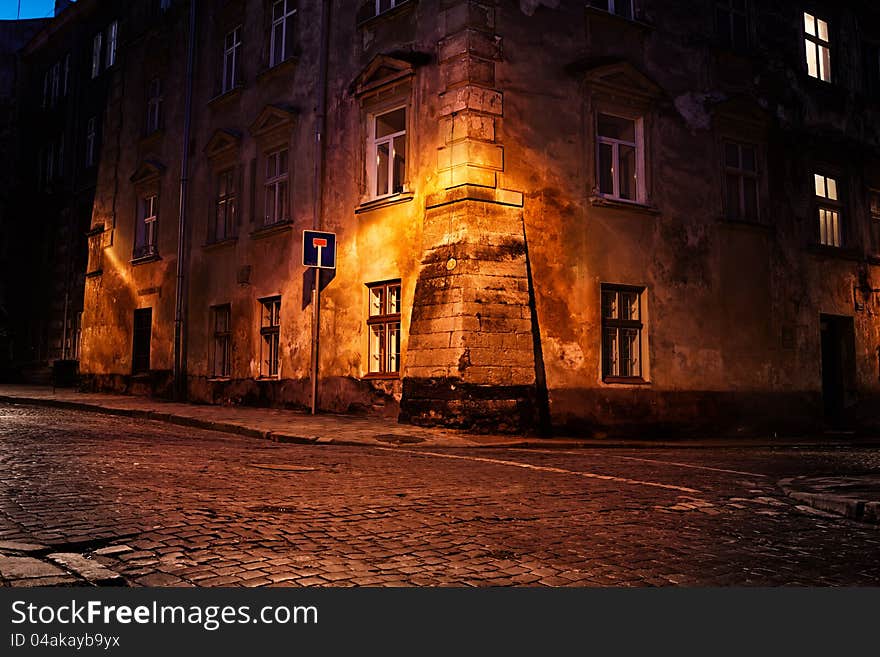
{"points": [[829, 209], [96, 54], [639, 146], [148, 214], [231, 56], [112, 43], [277, 186], [373, 153], [815, 45], [286, 13], [384, 329], [91, 138], [154, 105]]}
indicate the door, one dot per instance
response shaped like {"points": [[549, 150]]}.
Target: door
{"points": [[838, 366], [140, 351]]}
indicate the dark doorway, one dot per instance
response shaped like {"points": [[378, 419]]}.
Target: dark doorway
{"points": [[140, 351], [838, 366]]}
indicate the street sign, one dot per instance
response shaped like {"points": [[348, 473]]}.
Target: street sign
{"points": [[319, 249]]}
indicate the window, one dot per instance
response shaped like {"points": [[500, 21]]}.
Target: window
{"points": [[270, 325], [620, 158], [112, 37], [164, 5], [220, 316], [50, 162], [874, 204], [154, 105], [383, 325], [145, 231], [621, 332], [622, 8], [740, 182], [232, 60], [91, 138], [872, 68], [386, 155], [96, 55], [140, 350], [818, 45], [385, 5], [65, 87], [276, 188], [731, 23], [828, 204], [281, 37], [55, 88], [226, 210]]}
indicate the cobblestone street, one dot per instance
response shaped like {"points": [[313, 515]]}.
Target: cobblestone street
{"points": [[88, 498]]}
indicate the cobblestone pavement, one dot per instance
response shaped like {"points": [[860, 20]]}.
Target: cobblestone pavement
{"points": [[87, 498]]}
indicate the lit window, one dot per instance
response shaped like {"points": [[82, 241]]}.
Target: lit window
{"points": [[276, 188], [270, 328], [620, 158], [383, 324], [386, 168], [828, 203], [226, 207], [818, 45], [731, 23], [232, 60], [112, 38], [154, 105], [145, 231], [281, 38], [91, 139], [740, 181], [96, 54], [622, 8], [621, 331], [220, 358]]}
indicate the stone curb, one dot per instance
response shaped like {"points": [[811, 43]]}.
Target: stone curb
{"points": [[842, 505]]}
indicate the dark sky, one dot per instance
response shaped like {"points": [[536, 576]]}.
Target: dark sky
{"points": [[29, 8]]}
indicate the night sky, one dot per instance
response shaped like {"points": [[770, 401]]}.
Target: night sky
{"points": [[29, 8]]}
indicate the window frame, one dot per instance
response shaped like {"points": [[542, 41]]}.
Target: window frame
{"points": [[154, 105], [373, 143], [148, 215], [91, 140], [112, 45], [741, 174], [611, 7], [225, 197], [815, 43], [231, 73], [823, 203], [221, 344], [278, 185], [286, 22], [97, 44], [270, 337], [617, 324], [638, 120], [390, 324], [727, 36]]}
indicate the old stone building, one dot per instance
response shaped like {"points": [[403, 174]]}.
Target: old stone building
{"points": [[616, 215]]}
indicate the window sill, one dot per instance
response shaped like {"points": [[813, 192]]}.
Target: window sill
{"points": [[387, 376], [140, 376], [94, 274], [218, 379], [384, 202], [387, 14], [625, 380], [271, 229], [226, 96], [267, 379], [142, 260], [286, 65], [617, 204], [841, 252], [215, 246]]}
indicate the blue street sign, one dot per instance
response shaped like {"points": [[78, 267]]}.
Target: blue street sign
{"points": [[319, 249]]}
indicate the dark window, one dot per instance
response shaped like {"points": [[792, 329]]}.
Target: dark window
{"points": [[231, 76], [622, 8], [140, 352], [270, 329], [872, 69], [383, 324], [226, 207], [740, 182], [222, 341], [732, 23], [154, 105], [621, 332], [281, 35]]}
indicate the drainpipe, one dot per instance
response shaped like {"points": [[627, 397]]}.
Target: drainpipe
{"points": [[179, 371], [320, 147]]}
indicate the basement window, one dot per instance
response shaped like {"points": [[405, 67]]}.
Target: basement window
{"points": [[818, 47], [383, 326], [828, 208], [621, 333], [270, 333], [220, 357]]}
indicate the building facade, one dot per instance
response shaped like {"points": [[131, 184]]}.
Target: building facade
{"points": [[612, 216]]}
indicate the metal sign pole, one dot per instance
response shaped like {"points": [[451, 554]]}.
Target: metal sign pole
{"points": [[316, 314]]}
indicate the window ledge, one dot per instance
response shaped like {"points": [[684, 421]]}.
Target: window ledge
{"points": [[387, 14], [267, 379], [214, 246], [141, 376], [841, 252], [271, 229], [388, 376], [626, 380], [95, 273], [142, 260], [226, 96], [613, 203], [218, 379], [384, 202], [279, 68]]}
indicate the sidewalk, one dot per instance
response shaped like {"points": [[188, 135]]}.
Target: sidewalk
{"points": [[855, 497]]}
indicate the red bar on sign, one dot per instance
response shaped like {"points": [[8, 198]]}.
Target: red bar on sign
{"points": [[319, 241]]}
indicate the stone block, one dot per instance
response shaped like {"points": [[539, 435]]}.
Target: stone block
{"points": [[471, 152], [469, 97], [470, 42], [468, 14], [467, 125]]}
